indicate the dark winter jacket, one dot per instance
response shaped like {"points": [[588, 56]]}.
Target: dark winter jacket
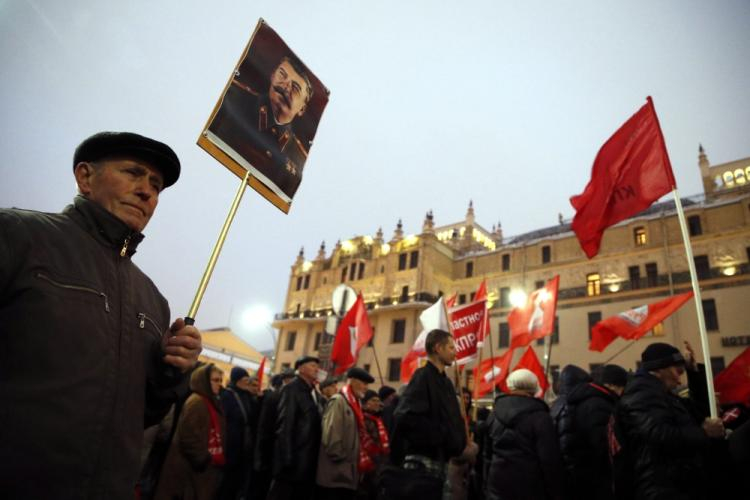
{"points": [[188, 472], [585, 454], [81, 370], [298, 432], [266, 435], [428, 419], [522, 456], [665, 442], [240, 409]]}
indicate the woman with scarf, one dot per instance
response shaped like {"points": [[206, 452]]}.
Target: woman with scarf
{"points": [[195, 459], [343, 456]]}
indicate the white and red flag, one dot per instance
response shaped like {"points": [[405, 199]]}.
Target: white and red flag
{"points": [[536, 319], [484, 332], [467, 323], [353, 333], [432, 318], [530, 361], [491, 372], [630, 172], [634, 323]]}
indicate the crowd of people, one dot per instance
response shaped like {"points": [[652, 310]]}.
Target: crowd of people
{"points": [[606, 435]]}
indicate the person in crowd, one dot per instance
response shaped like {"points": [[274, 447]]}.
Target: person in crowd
{"points": [[328, 388], [571, 377], [588, 474], [429, 429], [460, 467], [389, 397], [663, 445], [96, 327], [345, 446], [522, 455], [298, 430], [239, 410], [480, 437], [373, 409], [265, 435], [196, 456]]}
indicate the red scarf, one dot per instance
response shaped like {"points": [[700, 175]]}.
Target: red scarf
{"points": [[214, 436], [365, 463], [383, 447]]}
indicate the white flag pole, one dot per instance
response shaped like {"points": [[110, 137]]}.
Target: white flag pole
{"points": [[698, 303]]}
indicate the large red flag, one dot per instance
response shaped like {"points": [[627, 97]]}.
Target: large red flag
{"points": [[353, 333], [634, 323], [530, 361], [630, 172], [536, 319], [466, 323], [733, 383], [491, 372]]}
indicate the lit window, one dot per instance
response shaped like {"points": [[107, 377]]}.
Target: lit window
{"points": [[739, 177], [639, 234], [658, 330], [593, 284], [728, 179]]}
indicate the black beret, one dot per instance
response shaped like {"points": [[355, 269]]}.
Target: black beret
{"points": [[385, 391], [360, 374], [286, 373], [109, 144], [614, 374], [660, 355], [369, 394], [305, 359]]}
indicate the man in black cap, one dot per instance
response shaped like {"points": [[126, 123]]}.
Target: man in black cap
{"points": [[585, 451], [344, 451], [89, 357], [665, 443], [328, 388], [297, 434]]}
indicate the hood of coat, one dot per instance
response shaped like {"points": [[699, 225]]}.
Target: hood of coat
{"points": [[509, 408], [200, 382], [572, 376], [583, 392]]}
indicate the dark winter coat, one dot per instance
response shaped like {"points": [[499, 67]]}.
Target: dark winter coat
{"points": [[521, 451], [188, 472], [81, 370], [428, 419], [240, 411], [665, 443], [585, 455], [298, 431]]}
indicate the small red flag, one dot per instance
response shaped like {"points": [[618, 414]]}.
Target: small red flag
{"points": [[733, 383], [634, 323], [353, 333], [481, 294], [530, 361], [451, 301], [491, 372], [536, 319], [630, 172], [466, 323], [261, 368]]}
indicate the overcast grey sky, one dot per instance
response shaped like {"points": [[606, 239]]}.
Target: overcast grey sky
{"points": [[432, 103]]}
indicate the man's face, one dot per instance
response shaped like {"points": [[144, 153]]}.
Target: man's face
{"points": [[374, 405], [244, 383], [446, 352], [216, 380], [358, 387], [330, 390], [288, 93], [309, 371], [127, 188], [671, 376], [253, 387]]}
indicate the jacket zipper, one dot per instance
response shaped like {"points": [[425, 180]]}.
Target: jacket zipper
{"points": [[124, 249], [143, 318], [76, 287]]}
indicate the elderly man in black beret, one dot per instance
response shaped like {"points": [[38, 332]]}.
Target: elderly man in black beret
{"points": [[345, 447], [297, 434], [660, 446], [88, 355]]}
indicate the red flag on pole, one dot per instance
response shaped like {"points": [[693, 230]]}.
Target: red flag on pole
{"points": [[733, 383], [491, 372], [466, 324], [536, 319], [530, 361], [353, 333], [630, 172], [261, 368], [481, 294], [451, 301], [634, 323]]}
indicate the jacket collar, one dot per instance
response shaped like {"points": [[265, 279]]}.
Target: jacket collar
{"points": [[103, 226]]}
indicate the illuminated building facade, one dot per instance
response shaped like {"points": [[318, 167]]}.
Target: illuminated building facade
{"points": [[642, 260]]}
